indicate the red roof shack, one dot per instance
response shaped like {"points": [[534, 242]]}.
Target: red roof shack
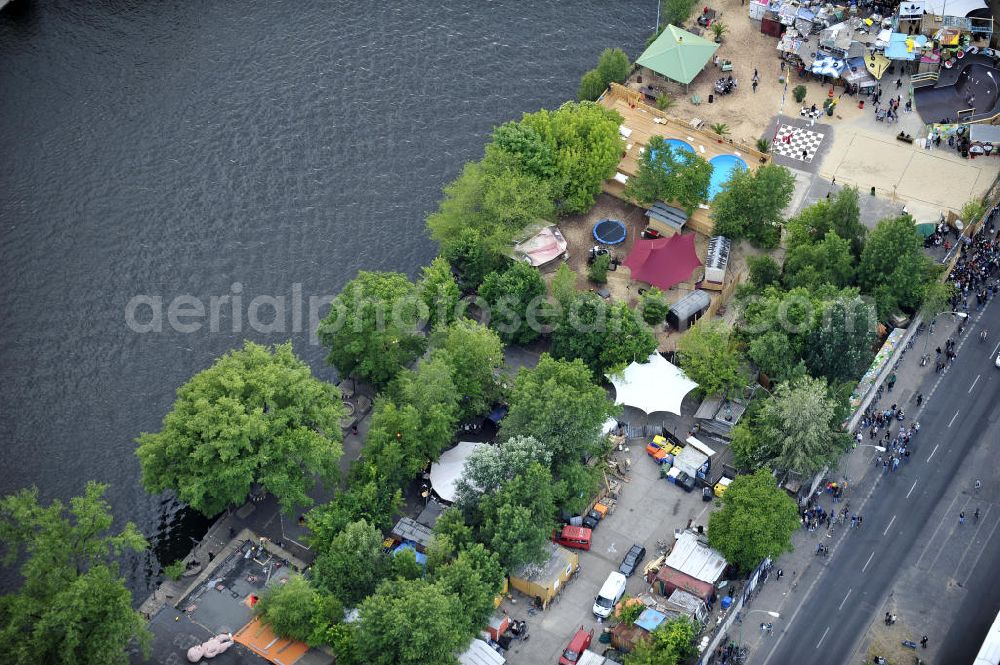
{"points": [[668, 579]]}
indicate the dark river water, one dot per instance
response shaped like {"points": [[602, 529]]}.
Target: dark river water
{"points": [[150, 150]]}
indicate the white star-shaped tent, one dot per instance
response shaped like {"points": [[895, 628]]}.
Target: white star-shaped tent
{"points": [[655, 385]]}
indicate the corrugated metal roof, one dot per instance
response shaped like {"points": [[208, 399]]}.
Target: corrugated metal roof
{"points": [[692, 558], [481, 653], [408, 529], [691, 304]]}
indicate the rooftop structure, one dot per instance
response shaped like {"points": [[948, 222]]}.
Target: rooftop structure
{"points": [[677, 54], [692, 557]]}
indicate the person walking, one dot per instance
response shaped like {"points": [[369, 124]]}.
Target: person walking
{"points": [[923, 641], [961, 518], [920, 399], [754, 85], [899, 83]]}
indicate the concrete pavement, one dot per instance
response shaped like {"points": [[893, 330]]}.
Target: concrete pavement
{"points": [[844, 595]]}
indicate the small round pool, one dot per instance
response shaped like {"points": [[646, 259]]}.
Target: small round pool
{"points": [[678, 145], [722, 169]]}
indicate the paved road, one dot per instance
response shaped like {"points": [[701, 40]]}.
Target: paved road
{"points": [[838, 605]]}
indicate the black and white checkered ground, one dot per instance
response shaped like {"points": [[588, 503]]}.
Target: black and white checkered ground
{"points": [[792, 142], [807, 112]]}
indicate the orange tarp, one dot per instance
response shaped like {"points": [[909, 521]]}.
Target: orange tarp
{"points": [[259, 638]]}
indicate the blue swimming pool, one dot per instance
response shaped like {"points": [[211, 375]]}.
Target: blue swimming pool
{"points": [[722, 169], [677, 144]]}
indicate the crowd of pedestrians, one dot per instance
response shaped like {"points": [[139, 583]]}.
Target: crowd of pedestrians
{"points": [[975, 272]]}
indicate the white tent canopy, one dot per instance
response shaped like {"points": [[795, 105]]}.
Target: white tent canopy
{"points": [[953, 7], [655, 385], [446, 472]]}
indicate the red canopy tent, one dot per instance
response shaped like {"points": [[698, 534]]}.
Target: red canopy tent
{"points": [[663, 262]]}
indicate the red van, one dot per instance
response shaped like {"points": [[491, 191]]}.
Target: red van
{"points": [[577, 537]]}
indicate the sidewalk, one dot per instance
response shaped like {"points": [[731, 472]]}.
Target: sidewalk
{"points": [[855, 468]]}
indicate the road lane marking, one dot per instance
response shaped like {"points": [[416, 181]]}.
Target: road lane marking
{"points": [[890, 523], [868, 561], [973, 385], [953, 418], [824, 637], [845, 599], [932, 452], [995, 349], [948, 511], [911, 490], [982, 549]]}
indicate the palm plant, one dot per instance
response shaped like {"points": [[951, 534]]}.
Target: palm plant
{"points": [[721, 128], [719, 29], [763, 145], [665, 102]]}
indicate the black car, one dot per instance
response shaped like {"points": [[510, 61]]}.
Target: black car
{"points": [[632, 560], [591, 519]]}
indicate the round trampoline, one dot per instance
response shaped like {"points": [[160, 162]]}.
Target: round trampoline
{"points": [[609, 232], [722, 169]]}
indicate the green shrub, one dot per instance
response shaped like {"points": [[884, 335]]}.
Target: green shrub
{"points": [[799, 92], [591, 86], [654, 306], [173, 571], [598, 271]]}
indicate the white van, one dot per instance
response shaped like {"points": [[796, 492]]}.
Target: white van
{"points": [[611, 592]]}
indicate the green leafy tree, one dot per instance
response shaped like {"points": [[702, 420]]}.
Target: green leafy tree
{"points": [[840, 214], [518, 518], [605, 337], [937, 298], [475, 353], [764, 271], [677, 12], [256, 416], [654, 306], [893, 266], [298, 611], [671, 643], [798, 427], [451, 525], [709, 357], [591, 87], [351, 566], [757, 520], [514, 198], [369, 497], [461, 206], [489, 468], [772, 352], [973, 210], [558, 403], [828, 261], [750, 204], [512, 295], [562, 288], [72, 605], [404, 565], [668, 174], [439, 291], [613, 66], [584, 139], [476, 577], [576, 487], [411, 622], [598, 270], [840, 347], [373, 328], [533, 153], [474, 254]]}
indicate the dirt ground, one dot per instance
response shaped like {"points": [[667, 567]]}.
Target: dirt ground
{"points": [[748, 114]]}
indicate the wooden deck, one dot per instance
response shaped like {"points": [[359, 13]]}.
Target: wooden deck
{"points": [[645, 122]]}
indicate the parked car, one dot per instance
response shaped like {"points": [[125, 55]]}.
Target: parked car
{"points": [[632, 559], [581, 640], [577, 537], [611, 592]]}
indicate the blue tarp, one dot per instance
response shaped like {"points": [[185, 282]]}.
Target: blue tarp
{"points": [[650, 619], [828, 66], [497, 414], [897, 50]]}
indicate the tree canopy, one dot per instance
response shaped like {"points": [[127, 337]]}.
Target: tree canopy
{"points": [[299, 611], [757, 520], [827, 261], [840, 214], [411, 622], [893, 266], [558, 403], [751, 202], [475, 354], [488, 468], [255, 416], [518, 518], [591, 86], [476, 577], [605, 337], [439, 291], [840, 346], [671, 643], [613, 66], [72, 606], [513, 296], [351, 565], [797, 429], [671, 175], [709, 357]]}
